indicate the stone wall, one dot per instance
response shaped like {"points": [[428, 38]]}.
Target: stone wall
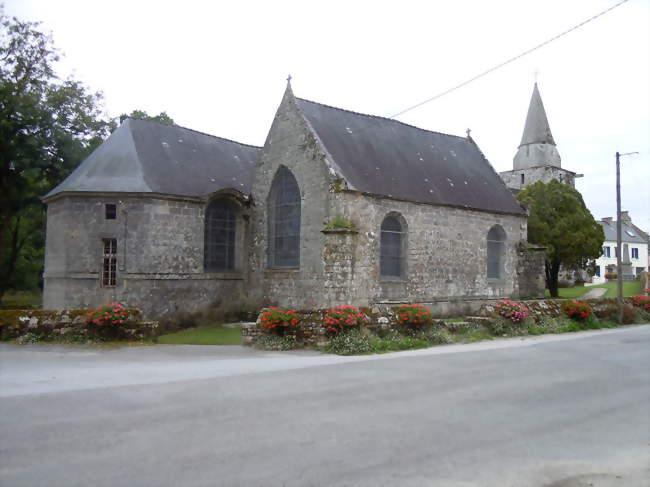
{"points": [[538, 173], [446, 256], [291, 144], [531, 271], [446, 252], [159, 255], [71, 325]]}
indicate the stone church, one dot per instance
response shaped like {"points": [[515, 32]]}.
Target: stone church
{"points": [[338, 207], [537, 158]]}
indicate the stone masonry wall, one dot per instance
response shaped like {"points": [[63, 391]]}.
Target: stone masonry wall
{"points": [[534, 174], [446, 252], [530, 271], [291, 144], [159, 255]]}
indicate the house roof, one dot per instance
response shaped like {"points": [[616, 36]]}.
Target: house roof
{"points": [[537, 130], [144, 156], [628, 233], [386, 157]]}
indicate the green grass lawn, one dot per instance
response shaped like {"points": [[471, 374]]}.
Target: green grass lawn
{"points": [[630, 288], [208, 335], [21, 300]]}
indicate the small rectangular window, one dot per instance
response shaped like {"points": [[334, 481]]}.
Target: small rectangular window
{"points": [[111, 211], [109, 262], [606, 252], [522, 179], [615, 251], [597, 271], [635, 253]]}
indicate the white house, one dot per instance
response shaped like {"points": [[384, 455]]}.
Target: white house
{"points": [[637, 243]]}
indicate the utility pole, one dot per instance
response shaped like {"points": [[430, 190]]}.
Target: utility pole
{"points": [[619, 273], [619, 237]]}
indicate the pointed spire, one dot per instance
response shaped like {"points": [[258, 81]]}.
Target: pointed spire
{"points": [[537, 129], [537, 147]]}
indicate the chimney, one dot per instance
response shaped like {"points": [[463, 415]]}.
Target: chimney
{"points": [[607, 219], [625, 217]]}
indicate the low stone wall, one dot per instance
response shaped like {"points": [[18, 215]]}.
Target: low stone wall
{"points": [[71, 325], [382, 319]]}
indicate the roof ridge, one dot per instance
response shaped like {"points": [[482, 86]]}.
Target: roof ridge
{"points": [[195, 131], [381, 118]]}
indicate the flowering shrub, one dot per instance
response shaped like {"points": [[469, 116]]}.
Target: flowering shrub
{"points": [[113, 314], [340, 317], [611, 276], [641, 301], [276, 320], [414, 315], [511, 310], [577, 310]]}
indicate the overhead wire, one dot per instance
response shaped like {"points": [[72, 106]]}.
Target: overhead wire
{"points": [[508, 61]]}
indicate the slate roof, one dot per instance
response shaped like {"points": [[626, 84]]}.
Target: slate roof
{"points": [[628, 233], [386, 157], [144, 156], [537, 129]]}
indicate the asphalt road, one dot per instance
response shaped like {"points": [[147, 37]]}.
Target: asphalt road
{"points": [[556, 411]]}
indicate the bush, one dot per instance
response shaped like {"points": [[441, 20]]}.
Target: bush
{"points": [[341, 317], [577, 310], [437, 336], [503, 326], [277, 320], [413, 315], [350, 342], [511, 310], [641, 301], [609, 276], [114, 314], [276, 342], [394, 342]]}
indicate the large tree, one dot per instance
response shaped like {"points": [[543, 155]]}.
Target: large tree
{"points": [[162, 117], [559, 220], [47, 126]]}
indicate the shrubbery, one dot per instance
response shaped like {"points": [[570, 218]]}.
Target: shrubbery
{"points": [[641, 301], [577, 310], [511, 310], [277, 320], [351, 342], [276, 342], [341, 317], [114, 314], [413, 315]]}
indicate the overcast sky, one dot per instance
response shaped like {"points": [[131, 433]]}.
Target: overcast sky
{"points": [[221, 68]]}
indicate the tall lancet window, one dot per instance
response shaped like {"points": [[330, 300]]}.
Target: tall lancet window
{"points": [[220, 227], [284, 221], [496, 239]]}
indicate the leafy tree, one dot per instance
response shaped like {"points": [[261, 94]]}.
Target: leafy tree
{"points": [[560, 221], [47, 126], [162, 117]]}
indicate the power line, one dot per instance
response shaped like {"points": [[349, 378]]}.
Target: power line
{"points": [[512, 59]]}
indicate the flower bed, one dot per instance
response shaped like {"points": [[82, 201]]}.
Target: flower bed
{"points": [[72, 326], [277, 320], [577, 310], [414, 315], [341, 317], [511, 310]]}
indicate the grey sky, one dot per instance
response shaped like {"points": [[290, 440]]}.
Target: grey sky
{"points": [[221, 68]]}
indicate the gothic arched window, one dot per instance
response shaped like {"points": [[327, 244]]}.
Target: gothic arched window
{"points": [[496, 238], [284, 220], [392, 248], [220, 228]]}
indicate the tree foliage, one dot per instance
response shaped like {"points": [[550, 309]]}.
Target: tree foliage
{"points": [[560, 221], [47, 126], [162, 117]]}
